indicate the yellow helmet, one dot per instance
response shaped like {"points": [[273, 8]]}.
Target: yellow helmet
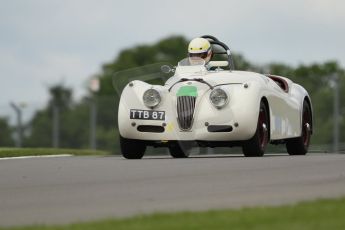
{"points": [[201, 48]]}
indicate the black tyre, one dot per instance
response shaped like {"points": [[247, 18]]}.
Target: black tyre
{"points": [[180, 149], [300, 145], [132, 149], [256, 146]]}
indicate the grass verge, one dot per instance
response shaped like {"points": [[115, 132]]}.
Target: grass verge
{"points": [[18, 152], [322, 214]]}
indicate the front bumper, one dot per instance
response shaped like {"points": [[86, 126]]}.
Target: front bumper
{"points": [[202, 130]]}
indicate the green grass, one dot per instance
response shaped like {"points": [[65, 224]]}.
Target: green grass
{"points": [[17, 152], [322, 214]]}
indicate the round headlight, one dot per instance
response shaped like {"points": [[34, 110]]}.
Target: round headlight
{"points": [[218, 98], [151, 98]]}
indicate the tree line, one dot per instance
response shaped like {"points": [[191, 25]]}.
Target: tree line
{"points": [[74, 116]]}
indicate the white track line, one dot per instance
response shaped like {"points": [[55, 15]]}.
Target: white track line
{"points": [[30, 157]]}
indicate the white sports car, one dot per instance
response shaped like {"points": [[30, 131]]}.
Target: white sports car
{"points": [[208, 106]]}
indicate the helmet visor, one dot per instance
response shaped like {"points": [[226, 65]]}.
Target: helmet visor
{"points": [[198, 55]]}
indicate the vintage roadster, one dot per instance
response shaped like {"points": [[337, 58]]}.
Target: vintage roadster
{"points": [[213, 105]]}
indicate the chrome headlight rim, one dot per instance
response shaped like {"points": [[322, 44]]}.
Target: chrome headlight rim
{"points": [[217, 93], [152, 98]]}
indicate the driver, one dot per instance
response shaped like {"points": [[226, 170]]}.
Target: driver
{"points": [[199, 48]]}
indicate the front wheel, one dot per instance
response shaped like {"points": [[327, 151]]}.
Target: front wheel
{"points": [[132, 149], [300, 145], [256, 146]]}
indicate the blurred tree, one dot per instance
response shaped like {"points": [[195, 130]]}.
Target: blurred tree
{"points": [[5, 133], [40, 128], [60, 96], [171, 50]]}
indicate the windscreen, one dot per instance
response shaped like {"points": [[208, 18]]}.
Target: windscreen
{"points": [[192, 61], [155, 74]]}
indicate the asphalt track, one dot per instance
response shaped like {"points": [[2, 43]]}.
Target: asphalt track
{"points": [[71, 189]]}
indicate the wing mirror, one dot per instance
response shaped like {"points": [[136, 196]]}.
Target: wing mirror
{"points": [[167, 69]]}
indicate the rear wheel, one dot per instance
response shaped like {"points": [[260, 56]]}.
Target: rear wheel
{"points": [[132, 149], [255, 147], [180, 149], [300, 145]]}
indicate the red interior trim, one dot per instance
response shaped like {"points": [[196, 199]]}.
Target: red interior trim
{"points": [[280, 81]]}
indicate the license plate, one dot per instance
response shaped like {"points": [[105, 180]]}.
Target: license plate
{"points": [[147, 114]]}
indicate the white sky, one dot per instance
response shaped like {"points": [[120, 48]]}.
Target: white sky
{"points": [[46, 42]]}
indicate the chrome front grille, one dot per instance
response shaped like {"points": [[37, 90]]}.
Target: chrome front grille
{"points": [[185, 111]]}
